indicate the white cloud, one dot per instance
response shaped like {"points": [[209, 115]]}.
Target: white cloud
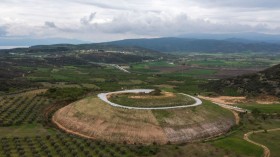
{"points": [[2, 31], [109, 20]]}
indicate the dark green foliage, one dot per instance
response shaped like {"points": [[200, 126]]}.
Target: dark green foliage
{"points": [[66, 93], [21, 110], [62, 144], [256, 112], [156, 92], [266, 82]]}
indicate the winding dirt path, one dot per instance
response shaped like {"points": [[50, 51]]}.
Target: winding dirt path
{"points": [[266, 152], [246, 136]]}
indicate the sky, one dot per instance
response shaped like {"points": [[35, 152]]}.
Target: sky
{"points": [[99, 20]]}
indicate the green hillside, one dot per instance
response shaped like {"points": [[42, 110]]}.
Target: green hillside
{"points": [[266, 82]]}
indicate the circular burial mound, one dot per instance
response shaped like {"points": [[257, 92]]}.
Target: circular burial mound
{"points": [[149, 99], [94, 118]]}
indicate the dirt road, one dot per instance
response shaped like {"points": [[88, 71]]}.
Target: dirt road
{"points": [[266, 152]]}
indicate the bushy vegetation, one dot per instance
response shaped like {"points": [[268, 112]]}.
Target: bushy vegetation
{"points": [[66, 93], [61, 144], [17, 110], [25, 127], [266, 82]]}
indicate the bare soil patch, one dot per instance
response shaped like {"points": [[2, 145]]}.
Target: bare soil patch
{"points": [[231, 100], [266, 99], [228, 100]]}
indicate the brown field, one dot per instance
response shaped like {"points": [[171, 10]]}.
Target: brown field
{"points": [[231, 100], [228, 100], [93, 118]]}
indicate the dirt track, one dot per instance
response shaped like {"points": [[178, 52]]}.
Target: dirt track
{"points": [[266, 152]]}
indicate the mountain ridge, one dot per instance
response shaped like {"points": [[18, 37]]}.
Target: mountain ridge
{"points": [[173, 44]]}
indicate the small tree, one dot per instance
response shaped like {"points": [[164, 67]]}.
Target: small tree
{"points": [[156, 92], [256, 112]]}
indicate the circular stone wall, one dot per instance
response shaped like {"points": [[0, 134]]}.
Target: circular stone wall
{"points": [[104, 97]]}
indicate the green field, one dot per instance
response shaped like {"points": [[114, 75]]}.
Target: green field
{"points": [[263, 108], [269, 139], [235, 140], [25, 118], [248, 60]]}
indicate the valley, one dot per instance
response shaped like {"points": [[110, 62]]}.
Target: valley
{"points": [[49, 101]]}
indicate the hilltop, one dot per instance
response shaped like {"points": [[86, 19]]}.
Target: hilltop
{"points": [[266, 82]]}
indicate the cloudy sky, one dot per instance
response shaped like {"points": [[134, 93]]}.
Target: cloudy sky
{"points": [[97, 20]]}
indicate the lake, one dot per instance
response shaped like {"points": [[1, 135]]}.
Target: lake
{"points": [[12, 47]]}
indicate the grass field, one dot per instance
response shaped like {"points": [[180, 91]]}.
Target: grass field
{"points": [[147, 100], [269, 139], [264, 108], [235, 142], [239, 146]]}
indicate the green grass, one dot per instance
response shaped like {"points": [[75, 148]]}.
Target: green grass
{"points": [[152, 64], [150, 100], [264, 108], [269, 139], [239, 146], [234, 142], [161, 114]]}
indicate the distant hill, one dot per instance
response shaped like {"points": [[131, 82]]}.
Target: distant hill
{"points": [[266, 82], [61, 49], [232, 45], [97, 46], [246, 36]]}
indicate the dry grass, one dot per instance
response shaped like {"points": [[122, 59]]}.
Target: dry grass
{"points": [[231, 100], [94, 118], [191, 124]]}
